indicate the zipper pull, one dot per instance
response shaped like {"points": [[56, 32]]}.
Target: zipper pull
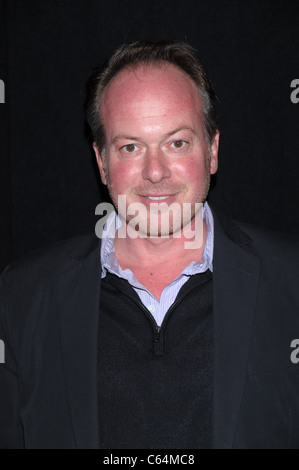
{"points": [[158, 343]]}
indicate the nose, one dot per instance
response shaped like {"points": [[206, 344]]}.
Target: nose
{"points": [[155, 168]]}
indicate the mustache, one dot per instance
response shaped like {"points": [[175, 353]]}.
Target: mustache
{"points": [[157, 189]]}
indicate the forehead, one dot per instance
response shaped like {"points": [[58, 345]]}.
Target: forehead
{"points": [[149, 89]]}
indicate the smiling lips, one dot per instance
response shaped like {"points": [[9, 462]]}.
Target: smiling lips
{"points": [[159, 198], [155, 196]]}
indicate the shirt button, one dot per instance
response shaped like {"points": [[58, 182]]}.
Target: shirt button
{"points": [[151, 308]]}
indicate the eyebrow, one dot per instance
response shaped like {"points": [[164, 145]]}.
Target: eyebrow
{"points": [[168, 134], [180, 128]]}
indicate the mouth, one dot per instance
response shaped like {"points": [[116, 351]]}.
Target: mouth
{"points": [[157, 198], [149, 199]]}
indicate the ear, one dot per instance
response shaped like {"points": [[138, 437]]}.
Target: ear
{"points": [[214, 153], [101, 166]]}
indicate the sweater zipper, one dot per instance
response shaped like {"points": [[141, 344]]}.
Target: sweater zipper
{"points": [[159, 330]]}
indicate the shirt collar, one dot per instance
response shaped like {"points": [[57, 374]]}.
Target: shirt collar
{"points": [[109, 261]]}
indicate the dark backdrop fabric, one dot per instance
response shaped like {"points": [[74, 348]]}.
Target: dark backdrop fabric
{"points": [[49, 182], [5, 175]]}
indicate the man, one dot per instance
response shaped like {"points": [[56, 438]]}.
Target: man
{"points": [[144, 341]]}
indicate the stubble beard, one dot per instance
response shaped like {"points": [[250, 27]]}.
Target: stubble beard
{"points": [[176, 223]]}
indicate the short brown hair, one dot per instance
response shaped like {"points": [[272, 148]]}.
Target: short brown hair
{"points": [[148, 52]]}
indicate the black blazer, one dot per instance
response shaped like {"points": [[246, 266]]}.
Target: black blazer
{"points": [[48, 322]]}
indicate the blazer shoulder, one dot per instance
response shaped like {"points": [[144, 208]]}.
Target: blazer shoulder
{"points": [[268, 245], [265, 240], [51, 260]]}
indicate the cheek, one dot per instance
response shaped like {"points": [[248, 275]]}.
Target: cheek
{"points": [[191, 171], [122, 175]]}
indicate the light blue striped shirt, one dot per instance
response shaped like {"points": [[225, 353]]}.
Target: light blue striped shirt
{"points": [[169, 293]]}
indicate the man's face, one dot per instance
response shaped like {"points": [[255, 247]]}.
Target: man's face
{"points": [[155, 139]]}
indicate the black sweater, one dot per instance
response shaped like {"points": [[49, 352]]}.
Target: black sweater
{"points": [[155, 384]]}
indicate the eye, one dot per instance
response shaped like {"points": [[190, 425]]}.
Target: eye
{"points": [[129, 148], [178, 144]]}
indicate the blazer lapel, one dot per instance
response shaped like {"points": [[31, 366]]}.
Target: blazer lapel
{"points": [[236, 277], [78, 299]]}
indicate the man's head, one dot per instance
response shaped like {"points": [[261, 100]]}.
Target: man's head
{"points": [[155, 136], [149, 52]]}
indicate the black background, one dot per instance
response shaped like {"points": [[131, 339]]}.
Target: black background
{"points": [[49, 186]]}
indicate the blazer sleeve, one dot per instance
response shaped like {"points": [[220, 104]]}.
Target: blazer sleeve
{"points": [[11, 432]]}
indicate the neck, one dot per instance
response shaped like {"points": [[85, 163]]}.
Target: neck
{"points": [[149, 250]]}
